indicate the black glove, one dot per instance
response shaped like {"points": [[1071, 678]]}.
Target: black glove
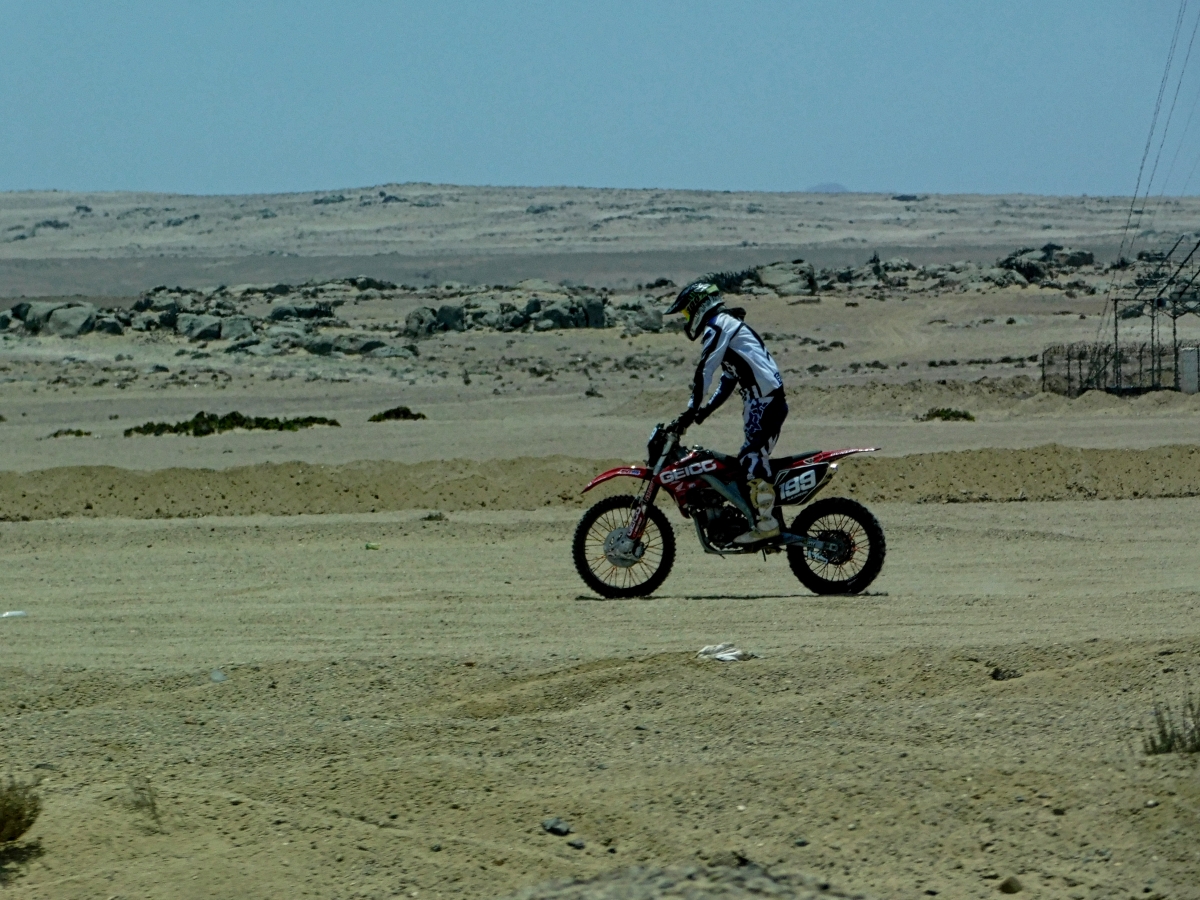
{"points": [[683, 422]]}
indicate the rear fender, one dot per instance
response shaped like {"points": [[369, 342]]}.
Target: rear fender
{"points": [[640, 472], [802, 482]]}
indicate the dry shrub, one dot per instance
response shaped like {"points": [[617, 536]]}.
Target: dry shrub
{"points": [[1175, 732], [19, 809], [143, 798]]}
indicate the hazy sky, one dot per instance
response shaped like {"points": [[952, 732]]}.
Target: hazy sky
{"points": [[1045, 96]]}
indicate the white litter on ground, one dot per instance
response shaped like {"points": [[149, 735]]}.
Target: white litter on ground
{"points": [[14, 614], [724, 653]]}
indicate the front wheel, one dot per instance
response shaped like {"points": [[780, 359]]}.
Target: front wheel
{"points": [[609, 562], [854, 547]]}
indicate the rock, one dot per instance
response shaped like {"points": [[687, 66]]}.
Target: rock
{"points": [[420, 322], [1004, 277], [1010, 885], [635, 315], [20, 310], [319, 345], [71, 321], [198, 328], [1076, 258], [789, 279], [144, 321], [237, 328], [576, 844], [243, 345], [593, 312], [108, 325], [356, 343], [389, 352], [556, 826], [284, 311], [5, 320], [451, 318], [38, 314]]}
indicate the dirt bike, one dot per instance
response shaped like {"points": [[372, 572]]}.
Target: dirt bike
{"points": [[625, 547]]}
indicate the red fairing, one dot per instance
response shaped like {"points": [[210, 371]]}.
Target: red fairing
{"points": [[831, 455], [625, 471]]}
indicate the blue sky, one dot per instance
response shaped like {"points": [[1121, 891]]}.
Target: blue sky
{"points": [[1051, 97]]}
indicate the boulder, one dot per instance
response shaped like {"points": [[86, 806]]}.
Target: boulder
{"points": [[144, 321], [451, 318], [420, 322], [71, 321], [390, 352], [20, 311], [357, 343], [5, 321], [593, 312], [198, 327], [38, 314], [237, 328], [558, 314], [635, 315], [108, 325], [283, 311], [319, 345]]}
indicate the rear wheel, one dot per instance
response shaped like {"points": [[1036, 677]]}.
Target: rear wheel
{"points": [[614, 566], [854, 549]]}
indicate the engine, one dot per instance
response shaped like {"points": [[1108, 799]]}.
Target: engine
{"points": [[723, 524]]}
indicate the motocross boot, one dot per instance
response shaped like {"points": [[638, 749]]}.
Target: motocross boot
{"points": [[762, 501]]}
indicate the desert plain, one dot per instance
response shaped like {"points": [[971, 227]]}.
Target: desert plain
{"points": [[356, 661]]}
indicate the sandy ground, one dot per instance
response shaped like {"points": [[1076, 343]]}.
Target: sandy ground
{"points": [[120, 243], [399, 721], [392, 722]]}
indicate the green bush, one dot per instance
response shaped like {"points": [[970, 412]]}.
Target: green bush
{"points": [[19, 809], [210, 423], [946, 414], [397, 414]]}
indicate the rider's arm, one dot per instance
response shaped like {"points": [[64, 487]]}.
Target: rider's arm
{"points": [[706, 369], [724, 389]]}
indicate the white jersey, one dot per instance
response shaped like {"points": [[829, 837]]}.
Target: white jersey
{"points": [[733, 349]]}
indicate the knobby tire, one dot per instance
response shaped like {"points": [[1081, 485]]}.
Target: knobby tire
{"points": [[838, 514], [588, 556]]}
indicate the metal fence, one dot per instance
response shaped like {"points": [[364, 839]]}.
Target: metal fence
{"points": [[1071, 369]]}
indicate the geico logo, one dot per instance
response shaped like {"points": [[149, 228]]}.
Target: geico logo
{"points": [[697, 468], [805, 481]]}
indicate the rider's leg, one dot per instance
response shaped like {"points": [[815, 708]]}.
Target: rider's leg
{"points": [[763, 420]]}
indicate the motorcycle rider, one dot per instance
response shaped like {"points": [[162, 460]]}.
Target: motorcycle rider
{"points": [[735, 349]]}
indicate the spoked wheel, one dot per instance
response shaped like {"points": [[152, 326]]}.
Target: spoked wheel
{"points": [[854, 547], [609, 562]]}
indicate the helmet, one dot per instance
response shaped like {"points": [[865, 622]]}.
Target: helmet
{"points": [[698, 301]]}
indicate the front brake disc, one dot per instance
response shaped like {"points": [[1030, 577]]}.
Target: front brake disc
{"points": [[621, 550]]}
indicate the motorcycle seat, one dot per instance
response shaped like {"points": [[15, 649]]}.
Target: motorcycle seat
{"points": [[779, 463]]}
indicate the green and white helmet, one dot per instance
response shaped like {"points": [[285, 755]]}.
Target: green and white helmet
{"points": [[698, 302]]}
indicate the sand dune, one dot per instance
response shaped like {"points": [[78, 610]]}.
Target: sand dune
{"points": [[1042, 473]]}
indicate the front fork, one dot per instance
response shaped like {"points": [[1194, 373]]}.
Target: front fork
{"points": [[637, 523]]}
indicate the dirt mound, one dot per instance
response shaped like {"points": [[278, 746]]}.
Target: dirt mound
{"points": [[295, 488], [739, 879], [1051, 472]]}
